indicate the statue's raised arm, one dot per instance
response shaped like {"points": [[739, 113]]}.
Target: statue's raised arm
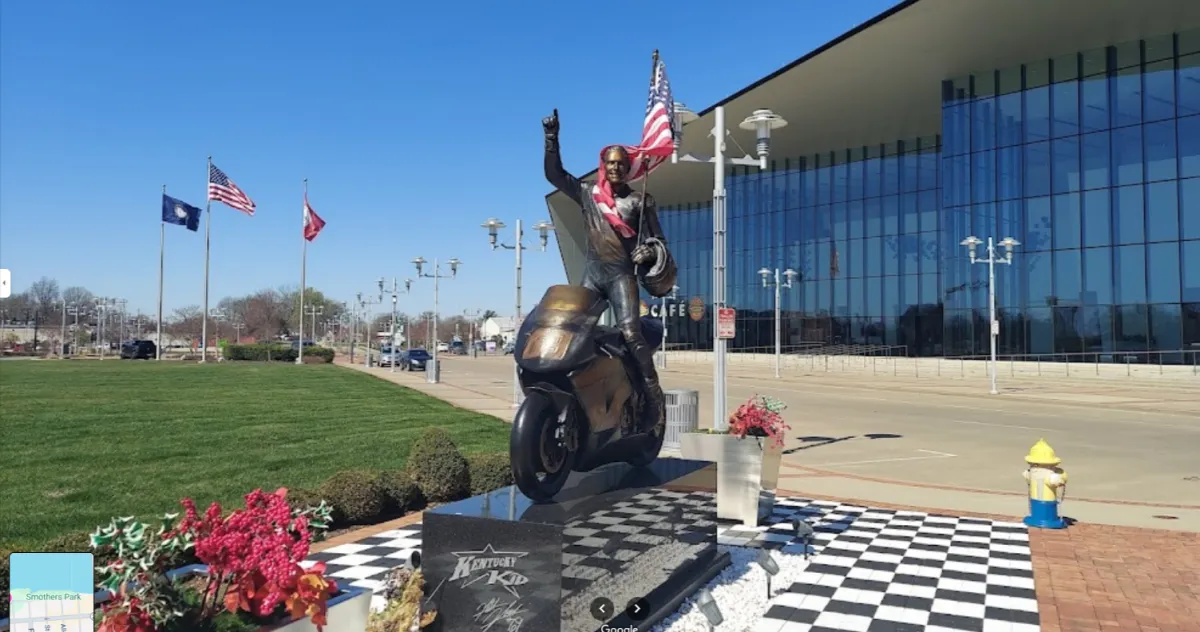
{"points": [[555, 173]]}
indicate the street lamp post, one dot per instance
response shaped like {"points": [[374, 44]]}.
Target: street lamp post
{"points": [[762, 122], [395, 298], [493, 226], [363, 304], [662, 363], [120, 302], [238, 327], [217, 316], [432, 376], [1009, 243], [765, 273], [62, 332], [312, 311], [75, 310]]}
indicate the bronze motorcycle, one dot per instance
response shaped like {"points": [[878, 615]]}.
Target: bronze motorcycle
{"points": [[583, 399]]}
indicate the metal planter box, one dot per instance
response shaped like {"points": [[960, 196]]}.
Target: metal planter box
{"points": [[747, 472]]}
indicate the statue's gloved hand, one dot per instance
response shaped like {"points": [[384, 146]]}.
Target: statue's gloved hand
{"points": [[550, 126], [643, 254]]}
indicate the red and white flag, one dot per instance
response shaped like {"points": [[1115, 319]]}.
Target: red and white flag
{"points": [[312, 222]]}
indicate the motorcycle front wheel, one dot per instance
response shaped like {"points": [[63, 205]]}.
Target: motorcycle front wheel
{"points": [[541, 461]]}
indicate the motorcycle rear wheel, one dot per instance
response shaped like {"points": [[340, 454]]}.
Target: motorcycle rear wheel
{"points": [[531, 442]]}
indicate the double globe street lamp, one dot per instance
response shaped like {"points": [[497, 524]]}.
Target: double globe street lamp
{"points": [[493, 227], [972, 243], [432, 372], [762, 122], [765, 273]]}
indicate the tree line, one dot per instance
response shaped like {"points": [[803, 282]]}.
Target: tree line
{"points": [[267, 314]]}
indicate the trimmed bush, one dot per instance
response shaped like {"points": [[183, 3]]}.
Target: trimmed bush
{"points": [[302, 498], [400, 493], [275, 353], [354, 495], [489, 472], [438, 468]]}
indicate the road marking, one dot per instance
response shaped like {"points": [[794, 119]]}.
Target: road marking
{"points": [[936, 455]]}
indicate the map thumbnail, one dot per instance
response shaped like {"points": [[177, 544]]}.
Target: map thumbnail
{"points": [[51, 592]]}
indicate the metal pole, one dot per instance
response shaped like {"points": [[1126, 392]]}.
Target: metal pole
{"points": [[662, 363], [992, 309], [207, 255], [353, 331], [518, 396], [303, 265], [392, 344], [162, 262], [62, 332], [433, 376], [366, 336], [778, 344], [720, 422], [100, 313]]}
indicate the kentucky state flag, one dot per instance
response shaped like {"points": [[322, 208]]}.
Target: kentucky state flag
{"points": [[179, 212]]}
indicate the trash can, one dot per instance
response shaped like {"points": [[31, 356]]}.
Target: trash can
{"points": [[683, 415], [433, 370]]}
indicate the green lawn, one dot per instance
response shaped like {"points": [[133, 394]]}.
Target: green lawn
{"points": [[83, 441]]}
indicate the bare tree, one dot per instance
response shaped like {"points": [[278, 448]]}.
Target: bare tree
{"points": [[77, 295]]}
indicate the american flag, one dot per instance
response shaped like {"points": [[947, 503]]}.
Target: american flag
{"points": [[222, 189], [658, 130], [658, 137]]}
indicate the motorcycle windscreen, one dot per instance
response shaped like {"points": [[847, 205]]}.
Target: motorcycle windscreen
{"points": [[557, 335]]}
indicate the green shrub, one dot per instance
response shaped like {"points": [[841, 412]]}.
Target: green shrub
{"points": [[324, 353], [275, 352], [400, 493], [354, 495], [78, 542], [489, 472], [302, 497], [438, 468]]}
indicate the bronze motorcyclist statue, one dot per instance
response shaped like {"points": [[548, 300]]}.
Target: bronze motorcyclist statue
{"points": [[624, 242]]}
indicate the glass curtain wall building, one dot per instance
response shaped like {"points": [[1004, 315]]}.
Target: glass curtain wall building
{"points": [[1090, 160]]}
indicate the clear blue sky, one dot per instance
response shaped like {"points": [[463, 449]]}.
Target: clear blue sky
{"points": [[413, 122]]}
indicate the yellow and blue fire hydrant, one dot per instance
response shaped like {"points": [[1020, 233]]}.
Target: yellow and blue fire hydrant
{"points": [[1047, 486]]}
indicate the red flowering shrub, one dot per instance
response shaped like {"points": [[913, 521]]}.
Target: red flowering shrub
{"points": [[759, 417]]}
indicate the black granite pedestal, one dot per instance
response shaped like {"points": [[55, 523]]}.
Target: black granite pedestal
{"points": [[499, 562]]}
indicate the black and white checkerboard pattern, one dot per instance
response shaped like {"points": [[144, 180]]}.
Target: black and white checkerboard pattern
{"points": [[870, 570]]}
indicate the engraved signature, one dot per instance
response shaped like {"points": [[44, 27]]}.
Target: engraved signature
{"points": [[503, 615]]}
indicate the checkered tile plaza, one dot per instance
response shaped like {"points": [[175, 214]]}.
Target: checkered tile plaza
{"points": [[869, 570]]}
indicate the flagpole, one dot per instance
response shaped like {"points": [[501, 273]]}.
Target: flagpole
{"points": [[207, 252], [303, 266], [162, 250]]}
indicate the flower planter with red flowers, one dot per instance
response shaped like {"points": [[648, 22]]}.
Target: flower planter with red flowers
{"points": [[250, 578], [748, 457]]}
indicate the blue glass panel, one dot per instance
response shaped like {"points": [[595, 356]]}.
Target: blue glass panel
{"points": [[983, 220], [1095, 104], [928, 161], [910, 216], [983, 124], [1010, 219], [824, 262], [929, 289], [1097, 276], [891, 175], [956, 189], [956, 136], [1191, 271], [840, 181], [854, 220], [874, 256], [824, 177], [872, 211], [893, 255], [1161, 156], [1035, 273], [1130, 274], [1158, 103], [1065, 169], [1065, 101], [1189, 208], [1037, 114], [808, 186], [1127, 165], [1188, 96], [1009, 129], [983, 176], [1037, 224], [856, 186], [1163, 260], [1009, 168], [1126, 97], [871, 177], [1096, 153], [1041, 329], [910, 170], [822, 223], [928, 206], [891, 214], [1162, 211], [873, 290], [1097, 218], [1067, 222], [1189, 146], [1068, 277], [1129, 215], [1037, 169]]}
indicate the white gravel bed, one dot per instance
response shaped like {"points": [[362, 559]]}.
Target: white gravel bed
{"points": [[740, 590]]}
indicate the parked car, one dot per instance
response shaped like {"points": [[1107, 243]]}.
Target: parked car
{"points": [[508, 348], [443, 347], [388, 355], [139, 350], [413, 359], [458, 347]]}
